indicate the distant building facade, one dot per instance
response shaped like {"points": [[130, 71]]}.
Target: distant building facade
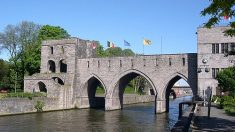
{"points": [[215, 52]]}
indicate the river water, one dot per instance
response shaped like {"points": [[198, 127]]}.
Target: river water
{"points": [[133, 118]]}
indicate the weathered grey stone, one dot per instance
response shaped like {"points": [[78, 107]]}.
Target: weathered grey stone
{"points": [[74, 87], [113, 73]]}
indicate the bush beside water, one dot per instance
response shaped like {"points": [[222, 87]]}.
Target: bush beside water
{"points": [[225, 102]]}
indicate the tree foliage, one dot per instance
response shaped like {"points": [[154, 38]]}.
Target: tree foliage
{"points": [[217, 10], [226, 80], [100, 50], [23, 42], [4, 74], [112, 52], [48, 32]]}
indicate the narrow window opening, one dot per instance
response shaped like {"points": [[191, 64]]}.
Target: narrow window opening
{"points": [[217, 48], [109, 63], [215, 71], [120, 63], [213, 48], [156, 62], [51, 50], [132, 63], [183, 59], [222, 48], [144, 62], [98, 63], [62, 49], [169, 61], [88, 64], [226, 48]]}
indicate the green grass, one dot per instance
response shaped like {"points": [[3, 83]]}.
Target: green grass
{"points": [[22, 95], [100, 90], [128, 90]]}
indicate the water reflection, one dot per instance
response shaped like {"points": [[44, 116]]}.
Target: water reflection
{"points": [[138, 117]]}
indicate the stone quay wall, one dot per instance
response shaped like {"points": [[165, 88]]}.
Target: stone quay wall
{"points": [[11, 106], [132, 99]]}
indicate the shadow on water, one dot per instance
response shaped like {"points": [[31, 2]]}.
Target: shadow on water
{"points": [[137, 117]]}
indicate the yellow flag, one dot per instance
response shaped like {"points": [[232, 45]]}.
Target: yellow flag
{"points": [[147, 42]]}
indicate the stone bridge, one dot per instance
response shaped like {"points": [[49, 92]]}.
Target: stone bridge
{"points": [[161, 71], [70, 75]]}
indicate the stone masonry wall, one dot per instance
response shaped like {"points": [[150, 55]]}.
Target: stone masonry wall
{"points": [[11, 106]]}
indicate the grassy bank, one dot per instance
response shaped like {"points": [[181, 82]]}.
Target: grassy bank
{"points": [[22, 95]]}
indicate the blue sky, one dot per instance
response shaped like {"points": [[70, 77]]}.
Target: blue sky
{"points": [[115, 20]]}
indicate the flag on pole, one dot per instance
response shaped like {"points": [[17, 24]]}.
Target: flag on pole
{"points": [[93, 45], [226, 17], [126, 43], [110, 44], [147, 42]]}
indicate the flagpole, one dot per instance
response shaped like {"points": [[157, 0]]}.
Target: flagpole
{"points": [[161, 45], [143, 49]]}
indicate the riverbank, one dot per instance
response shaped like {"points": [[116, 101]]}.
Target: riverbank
{"points": [[218, 121]]}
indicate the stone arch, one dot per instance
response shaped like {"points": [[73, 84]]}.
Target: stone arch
{"points": [[63, 65], [51, 66], [42, 87], [58, 80], [119, 83], [169, 84], [89, 90]]}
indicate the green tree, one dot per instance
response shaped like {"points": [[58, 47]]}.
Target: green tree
{"points": [[48, 32], [23, 42], [9, 41], [226, 80], [30, 47], [100, 52], [128, 52], [4, 74], [113, 52], [217, 10]]}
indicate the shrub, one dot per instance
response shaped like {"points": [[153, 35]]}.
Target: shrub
{"points": [[39, 106], [227, 101]]}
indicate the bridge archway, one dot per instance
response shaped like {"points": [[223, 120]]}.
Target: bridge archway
{"points": [[95, 90], [168, 87], [122, 81]]}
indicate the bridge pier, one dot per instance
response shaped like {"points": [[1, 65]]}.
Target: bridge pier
{"points": [[112, 103], [82, 102], [160, 106]]}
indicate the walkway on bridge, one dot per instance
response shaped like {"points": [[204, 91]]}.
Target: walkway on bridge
{"points": [[219, 121]]}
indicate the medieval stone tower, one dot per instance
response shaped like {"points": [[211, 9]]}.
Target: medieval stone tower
{"points": [[58, 76]]}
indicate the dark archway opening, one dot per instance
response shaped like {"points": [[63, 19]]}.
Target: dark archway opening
{"points": [[96, 93], [63, 66], [42, 87], [176, 90], [131, 85], [58, 80], [51, 65]]}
